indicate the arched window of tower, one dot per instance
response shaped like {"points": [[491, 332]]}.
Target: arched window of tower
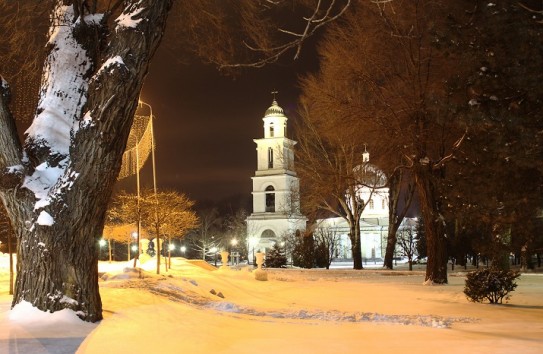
{"points": [[268, 234], [270, 199]]}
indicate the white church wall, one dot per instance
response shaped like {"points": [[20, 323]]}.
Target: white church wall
{"points": [[265, 226]]}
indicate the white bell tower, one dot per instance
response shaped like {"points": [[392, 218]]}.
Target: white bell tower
{"points": [[276, 207]]}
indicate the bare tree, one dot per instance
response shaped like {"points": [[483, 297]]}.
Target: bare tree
{"points": [[384, 73], [236, 228], [407, 244], [327, 240], [207, 235], [332, 169], [264, 31], [398, 188], [56, 184], [119, 232], [170, 214]]}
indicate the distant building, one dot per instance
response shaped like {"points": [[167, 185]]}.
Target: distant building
{"points": [[276, 209], [374, 221]]}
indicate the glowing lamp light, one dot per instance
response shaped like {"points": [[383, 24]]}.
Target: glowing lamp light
{"points": [[234, 242], [134, 234], [134, 248], [171, 247], [183, 249], [102, 242]]}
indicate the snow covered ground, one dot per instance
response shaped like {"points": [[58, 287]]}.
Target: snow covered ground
{"points": [[194, 309]]}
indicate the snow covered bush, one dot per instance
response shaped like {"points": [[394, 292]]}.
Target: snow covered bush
{"points": [[491, 284]]}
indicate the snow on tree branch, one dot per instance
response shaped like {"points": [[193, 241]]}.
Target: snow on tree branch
{"points": [[62, 98], [128, 19], [64, 88]]}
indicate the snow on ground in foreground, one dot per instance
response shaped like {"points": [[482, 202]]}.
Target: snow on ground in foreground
{"points": [[192, 309]]}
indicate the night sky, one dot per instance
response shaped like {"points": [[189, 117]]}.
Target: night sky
{"points": [[206, 122]]}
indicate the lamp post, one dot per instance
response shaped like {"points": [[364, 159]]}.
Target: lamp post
{"points": [[252, 244], [135, 237], [214, 251], [171, 247], [234, 242], [183, 249], [101, 243]]}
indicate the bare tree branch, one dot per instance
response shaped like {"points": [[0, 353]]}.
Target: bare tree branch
{"points": [[313, 24]]}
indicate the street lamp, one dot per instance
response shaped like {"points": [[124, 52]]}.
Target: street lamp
{"points": [[214, 251], [183, 250], [234, 255], [252, 244], [101, 243]]}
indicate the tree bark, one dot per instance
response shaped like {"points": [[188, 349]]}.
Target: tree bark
{"points": [[395, 216], [393, 225], [436, 268], [57, 266], [354, 233]]}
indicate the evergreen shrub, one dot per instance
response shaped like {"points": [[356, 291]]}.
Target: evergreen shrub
{"points": [[491, 284], [275, 257]]}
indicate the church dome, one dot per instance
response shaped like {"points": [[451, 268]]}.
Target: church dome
{"points": [[274, 110]]}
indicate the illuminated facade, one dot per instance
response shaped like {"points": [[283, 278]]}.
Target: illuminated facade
{"points": [[276, 208], [374, 219]]}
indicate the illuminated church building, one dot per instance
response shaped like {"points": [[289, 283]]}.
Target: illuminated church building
{"points": [[276, 211]]}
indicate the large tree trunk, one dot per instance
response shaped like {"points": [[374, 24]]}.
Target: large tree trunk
{"points": [[388, 262], [395, 216], [96, 66], [434, 226], [501, 245], [354, 234], [394, 221]]}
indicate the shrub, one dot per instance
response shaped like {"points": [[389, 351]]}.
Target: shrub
{"points": [[303, 254], [491, 284], [275, 257]]}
